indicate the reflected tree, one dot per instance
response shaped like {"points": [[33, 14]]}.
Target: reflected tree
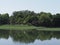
{"points": [[28, 36]]}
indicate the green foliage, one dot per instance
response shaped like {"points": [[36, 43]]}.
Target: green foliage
{"points": [[56, 20], [4, 18], [31, 18], [45, 19]]}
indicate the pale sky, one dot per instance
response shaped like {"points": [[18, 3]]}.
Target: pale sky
{"points": [[8, 6]]}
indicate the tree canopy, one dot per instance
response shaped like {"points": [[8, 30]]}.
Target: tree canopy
{"points": [[31, 18]]}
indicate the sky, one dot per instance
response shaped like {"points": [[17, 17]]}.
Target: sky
{"points": [[9, 6]]}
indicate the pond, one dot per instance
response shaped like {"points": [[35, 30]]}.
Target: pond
{"points": [[29, 37]]}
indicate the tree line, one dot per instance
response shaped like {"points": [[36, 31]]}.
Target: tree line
{"points": [[31, 18]]}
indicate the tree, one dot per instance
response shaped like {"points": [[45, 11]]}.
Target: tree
{"points": [[5, 18], [22, 17], [56, 20], [45, 19], [33, 21]]}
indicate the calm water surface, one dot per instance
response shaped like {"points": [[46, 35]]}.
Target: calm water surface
{"points": [[32, 37]]}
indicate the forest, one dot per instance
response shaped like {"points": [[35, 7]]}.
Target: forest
{"points": [[27, 17]]}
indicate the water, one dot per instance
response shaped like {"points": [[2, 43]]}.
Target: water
{"points": [[32, 37]]}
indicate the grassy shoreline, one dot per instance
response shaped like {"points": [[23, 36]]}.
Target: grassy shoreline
{"points": [[26, 27]]}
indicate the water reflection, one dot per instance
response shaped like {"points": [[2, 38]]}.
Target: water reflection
{"points": [[4, 34], [28, 36]]}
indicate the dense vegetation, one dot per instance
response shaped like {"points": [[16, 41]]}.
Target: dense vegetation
{"points": [[31, 18]]}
